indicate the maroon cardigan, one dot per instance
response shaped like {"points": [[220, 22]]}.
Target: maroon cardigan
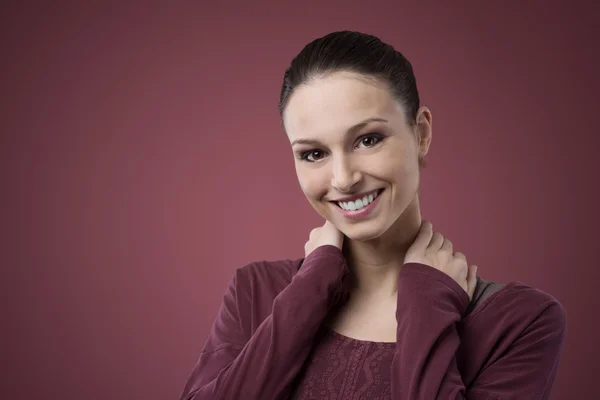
{"points": [[268, 341]]}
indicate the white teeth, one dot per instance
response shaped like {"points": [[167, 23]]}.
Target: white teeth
{"points": [[358, 204]]}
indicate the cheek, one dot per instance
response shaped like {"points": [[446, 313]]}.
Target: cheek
{"points": [[407, 181], [392, 168], [401, 166], [312, 183], [406, 178]]}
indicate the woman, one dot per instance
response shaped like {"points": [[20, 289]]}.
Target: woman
{"points": [[381, 306]]}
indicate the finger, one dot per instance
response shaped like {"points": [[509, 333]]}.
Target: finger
{"points": [[307, 248], [437, 240], [447, 246], [424, 236], [464, 271], [329, 227], [472, 280]]}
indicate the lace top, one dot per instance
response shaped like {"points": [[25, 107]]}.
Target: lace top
{"points": [[344, 368]]}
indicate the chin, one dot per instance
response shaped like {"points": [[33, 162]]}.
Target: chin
{"points": [[363, 233]]}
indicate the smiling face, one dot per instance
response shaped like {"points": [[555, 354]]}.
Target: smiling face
{"points": [[351, 139]]}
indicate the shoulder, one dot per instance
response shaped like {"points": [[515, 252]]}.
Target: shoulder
{"points": [[516, 303], [255, 286], [517, 327], [266, 276]]}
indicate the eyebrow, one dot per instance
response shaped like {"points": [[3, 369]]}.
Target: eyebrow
{"points": [[350, 130]]}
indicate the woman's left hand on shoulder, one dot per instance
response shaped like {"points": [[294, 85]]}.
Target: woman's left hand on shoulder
{"points": [[433, 249]]}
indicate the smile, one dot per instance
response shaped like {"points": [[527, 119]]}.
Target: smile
{"points": [[360, 207], [359, 203]]}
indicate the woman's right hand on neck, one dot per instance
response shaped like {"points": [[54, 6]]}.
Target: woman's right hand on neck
{"points": [[324, 235]]}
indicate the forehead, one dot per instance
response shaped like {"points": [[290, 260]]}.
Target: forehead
{"points": [[333, 103]]}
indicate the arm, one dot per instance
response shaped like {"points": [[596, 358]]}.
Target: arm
{"points": [[430, 304], [263, 366]]}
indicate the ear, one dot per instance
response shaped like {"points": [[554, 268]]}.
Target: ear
{"points": [[423, 130]]}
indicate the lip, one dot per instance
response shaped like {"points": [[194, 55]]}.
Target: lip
{"points": [[363, 212], [357, 196]]}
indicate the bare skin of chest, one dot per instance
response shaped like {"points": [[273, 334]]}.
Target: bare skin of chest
{"points": [[369, 320]]}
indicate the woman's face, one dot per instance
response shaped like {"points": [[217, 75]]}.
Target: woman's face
{"points": [[351, 140]]}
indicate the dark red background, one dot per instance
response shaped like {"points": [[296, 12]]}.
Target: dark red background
{"points": [[142, 162]]}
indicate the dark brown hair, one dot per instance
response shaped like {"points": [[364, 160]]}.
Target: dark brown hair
{"points": [[354, 52]]}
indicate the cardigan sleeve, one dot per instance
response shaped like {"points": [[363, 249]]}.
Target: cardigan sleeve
{"points": [[264, 365], [431, 305]]}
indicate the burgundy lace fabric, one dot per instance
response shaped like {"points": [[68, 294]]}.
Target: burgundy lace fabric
{"points": [[344, 368]]}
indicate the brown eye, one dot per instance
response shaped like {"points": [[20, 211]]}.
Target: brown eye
{"points": [[370, 140], [312, 156]]}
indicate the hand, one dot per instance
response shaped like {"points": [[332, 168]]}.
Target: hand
{"points": [[431, 248], [324, 235]]}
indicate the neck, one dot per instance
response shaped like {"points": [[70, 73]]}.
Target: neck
{"points": [[375, 263]]}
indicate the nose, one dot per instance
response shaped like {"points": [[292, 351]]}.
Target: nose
{"points": [[344, 175]]}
